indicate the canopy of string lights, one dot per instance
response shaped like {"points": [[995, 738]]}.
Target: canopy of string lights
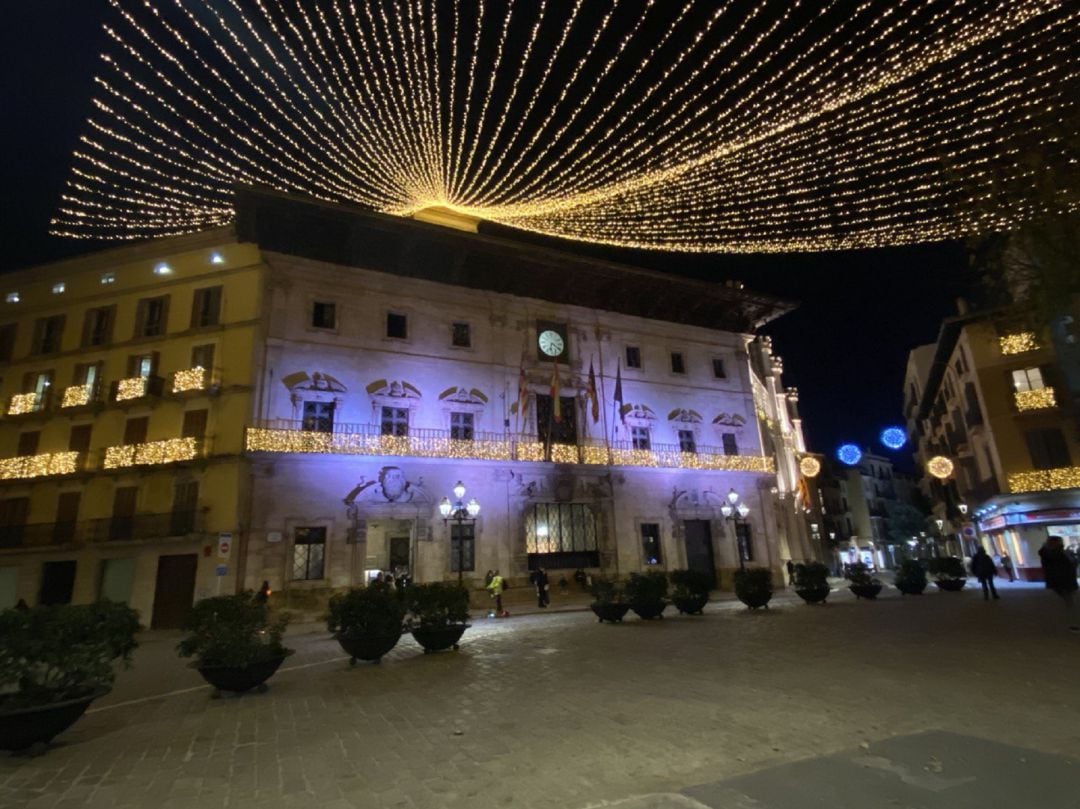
{"points": [[692, 125]]}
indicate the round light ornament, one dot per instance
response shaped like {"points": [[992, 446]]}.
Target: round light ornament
{"points": [[849, 454], [893, 437], [940, 467], [810, 467], [551, 343]]}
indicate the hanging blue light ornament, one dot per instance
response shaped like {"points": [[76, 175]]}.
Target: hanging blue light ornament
{"points": [[893, 437], [849, 454]]}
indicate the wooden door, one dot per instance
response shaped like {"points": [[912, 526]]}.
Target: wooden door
{"points": [[699, 550], [57, 582], [174, 591]]}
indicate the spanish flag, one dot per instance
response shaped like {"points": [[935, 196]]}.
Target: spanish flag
{"points": [[556, 389], [523, 390]]}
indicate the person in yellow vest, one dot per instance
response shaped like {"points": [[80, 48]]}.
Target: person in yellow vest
{"points": [[495, 586]]}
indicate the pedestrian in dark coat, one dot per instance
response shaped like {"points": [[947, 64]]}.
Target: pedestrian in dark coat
{"points": [[984, 569], [540, 579], [790, 572], [1060, 575], [1007, 565]]}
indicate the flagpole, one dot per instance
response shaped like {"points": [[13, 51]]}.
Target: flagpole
{"points": [[603, 394]]}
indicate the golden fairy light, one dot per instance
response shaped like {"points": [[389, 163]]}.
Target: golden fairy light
{"points": [[940, 467], [685, 125], [810, 466]]}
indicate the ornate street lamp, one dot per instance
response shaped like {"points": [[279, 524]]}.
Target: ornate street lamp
{"points": [[737, 513], [462, 514]]}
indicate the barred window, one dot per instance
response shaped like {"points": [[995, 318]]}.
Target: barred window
{"points": [[461, 426], [462, 547], [561, 535], [309, 552]]}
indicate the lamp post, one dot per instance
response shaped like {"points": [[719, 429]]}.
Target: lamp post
{"points": [[461, 513], [736, 512]]}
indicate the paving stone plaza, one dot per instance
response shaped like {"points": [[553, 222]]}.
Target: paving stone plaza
{"points": [[940, 700]]}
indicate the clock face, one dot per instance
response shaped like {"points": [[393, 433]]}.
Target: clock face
{"points": [[551, 343]]}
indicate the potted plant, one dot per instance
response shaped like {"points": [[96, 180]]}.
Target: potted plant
{"points": [[366, 621], [608, 602], [647, 594], [863, 585], [753, 586], [55, 661], [911, 578], [438, 614], [812, 582], [235, 643], [949, 573], [690, 591]]}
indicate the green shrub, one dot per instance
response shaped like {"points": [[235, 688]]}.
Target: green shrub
{"points": [[647, 588], [373, 612], [437, 604], [859, 575], [811, 576], [232, 631], [753, 586], [911, 577], [605, 591], [945, 568], [57, 653], [689, 583]]}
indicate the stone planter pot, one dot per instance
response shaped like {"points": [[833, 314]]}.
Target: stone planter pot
{"points": [[869, 591], [241, 679], [813, 595], [911, 589], [612, 612], [951, 585], [438, 638], [691, 604], [647, 612], [365, 647], [754, 598], [24, 728]]}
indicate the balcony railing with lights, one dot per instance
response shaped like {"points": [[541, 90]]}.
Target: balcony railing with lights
{"points": [[1037, 399], [153, 453], [137, 388], [1045, 480], [27, 467], [193, 380], [25, 404], [1018, 343], [367, 439], [76, 396]]}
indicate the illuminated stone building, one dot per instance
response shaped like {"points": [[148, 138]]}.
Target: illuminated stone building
{"points": [[999, 402], [126, 385]]}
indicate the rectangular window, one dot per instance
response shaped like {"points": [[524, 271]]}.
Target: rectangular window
{"points": [[309, 553], [151, 316], [1027, 379], [395, 421], [203, 356], [144, 365], [98, 326], [79, 439], [38, 382], [744, 538], [718, 369], [677, 364], [48, 332], [561, 536], [13, 513], [650, 543], [319, 417], [67, 517], [122, 524], [206, 307], [88, 373], [1048, 448], [28, 443], [8, 333], [687, 442], [461, 337], [135, 430], [462, 547], [185, 504], [550, 431], [461, 426], [397, 326], [640, 437], [633, 357], [323, 315], [731, 444], [194, 424]]}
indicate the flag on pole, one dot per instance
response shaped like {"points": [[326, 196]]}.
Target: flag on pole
{"points": [[523, 389], [591, 393], [618, 392], [556, 401]]}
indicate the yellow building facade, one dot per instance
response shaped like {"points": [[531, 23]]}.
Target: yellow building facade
{"points": [[126, 385]]}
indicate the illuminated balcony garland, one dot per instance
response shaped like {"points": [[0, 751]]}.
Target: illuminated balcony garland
{"points": [[1038, 399], [133, 388], [1019, 343], [39, 466], [22, 403], [1045, 480], [191, 379], [311, 442], [154, 453], [76, 396]]}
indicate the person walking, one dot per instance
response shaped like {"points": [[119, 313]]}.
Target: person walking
{"points": [[1007, 566], [263, 595], [540, 579], [1060, 575], [984, 569], [790, 572], [496, 588]]}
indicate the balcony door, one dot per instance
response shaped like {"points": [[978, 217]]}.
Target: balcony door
{"points": [[551, 431], [699, 550], [174, 592]]}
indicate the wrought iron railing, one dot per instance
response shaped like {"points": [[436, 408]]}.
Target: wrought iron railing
{"points": [[132, 527]]}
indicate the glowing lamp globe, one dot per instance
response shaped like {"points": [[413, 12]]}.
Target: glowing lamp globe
{"points": [[893, 437], [473, 508], [940, 467], [810, 467], [849, 454], [459, 490], [445, 507]]}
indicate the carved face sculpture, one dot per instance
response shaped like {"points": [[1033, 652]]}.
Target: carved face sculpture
{"points": [[392, 480]]}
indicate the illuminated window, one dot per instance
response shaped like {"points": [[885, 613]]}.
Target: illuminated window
{"points": [[319, 417], [461, 337], [640, 437], [687, 442], [650, 543], [309, 553], [561, 535], [142, 365], [395, 421], [633, 357], [108, 278], [678, 366], [461, 426], [1028, 379], [12, 297], [59, 288]]}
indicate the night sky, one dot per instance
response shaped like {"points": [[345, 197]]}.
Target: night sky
{"points": [[845, 348]]}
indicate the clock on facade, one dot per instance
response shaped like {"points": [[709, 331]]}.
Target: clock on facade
{"points": [[551, 343]]}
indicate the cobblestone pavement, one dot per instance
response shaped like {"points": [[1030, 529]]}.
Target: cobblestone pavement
{"points": [[559, 711]]}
